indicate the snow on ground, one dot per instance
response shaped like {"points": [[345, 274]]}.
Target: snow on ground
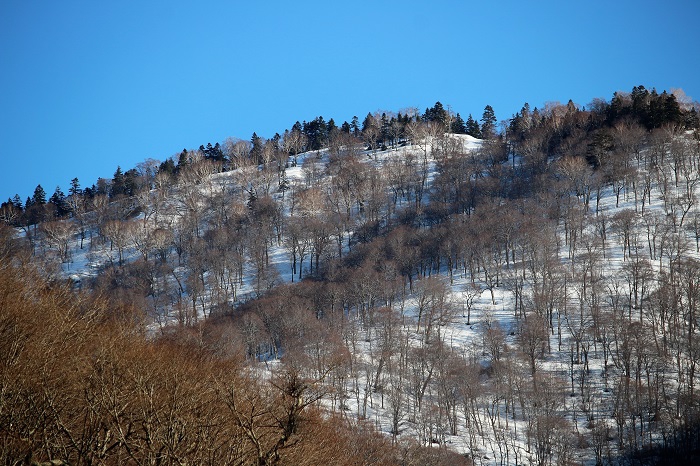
{"points": [[466, 338]]}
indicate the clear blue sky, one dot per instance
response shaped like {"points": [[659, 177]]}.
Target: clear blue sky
{"points": [[89, 85]]}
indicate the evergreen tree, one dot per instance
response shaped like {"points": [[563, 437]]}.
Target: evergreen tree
{"points": [[36, 210], [355, 126], [331, 126], [458, 125], [212, 152], [369, 121], [437, 114], [58, 200], [617, 109], [488, 123], [653, 117], [384, 128], [39, 197], [671, 110], [216, 153], [17, 201], [473, 128], [131, 182], [691, 119], [168, 166], [345, 127], [276, 141], [183, 159], [257, 148], [74, 187], [316, 132], [640, 100], [117, 187]]}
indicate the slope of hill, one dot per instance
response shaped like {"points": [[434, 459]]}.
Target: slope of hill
{"points": [[481, 297]]}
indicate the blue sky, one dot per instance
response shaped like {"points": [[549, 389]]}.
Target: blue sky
{"points": [[86, 86]]}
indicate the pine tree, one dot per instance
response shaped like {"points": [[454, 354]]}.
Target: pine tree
{"points": [[58, 200], [355, 126], [131, 182], [488, 123], [256, 149], [671, 110], [39, 197], [617, 109], [74, 187], [473, 128], [212, 152], [384, 128], [437, 114], [183, 159], [168, 166], [369, 121], [117, 187], [331, 126], [277, 141], [458, 125], [691, 120], [36, 211], [317, 133]]}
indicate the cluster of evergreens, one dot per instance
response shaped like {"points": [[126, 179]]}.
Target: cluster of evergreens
{"points": [[378, 130]]}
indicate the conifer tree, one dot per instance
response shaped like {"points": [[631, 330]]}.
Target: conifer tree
{"points": [[458, 125], [117, 187], [368, 122], [39, 197], [168, 166], [212, 152], [691, 120], [355, 126], [472, 127], [183, 159], [331, 126], [17, 201], [58, 200], [74, 187], [488, 123], [437, 114], [671, 110], [257, 147]]}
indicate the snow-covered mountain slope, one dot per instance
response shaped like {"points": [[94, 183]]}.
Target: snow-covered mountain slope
{"points": [[444, 289]]}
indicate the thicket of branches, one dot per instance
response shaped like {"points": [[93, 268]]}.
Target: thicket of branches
{"points": [[81, 384]]}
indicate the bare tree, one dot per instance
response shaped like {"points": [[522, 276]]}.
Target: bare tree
{"points": [[293, 143]]}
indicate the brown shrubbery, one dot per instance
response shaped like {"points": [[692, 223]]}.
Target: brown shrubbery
{"points": [[81, 383]]}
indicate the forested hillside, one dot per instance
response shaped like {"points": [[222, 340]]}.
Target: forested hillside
{"points": [[419, 288]]}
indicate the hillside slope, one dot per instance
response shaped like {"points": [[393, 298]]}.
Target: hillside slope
{"points": [[475, 296]]}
